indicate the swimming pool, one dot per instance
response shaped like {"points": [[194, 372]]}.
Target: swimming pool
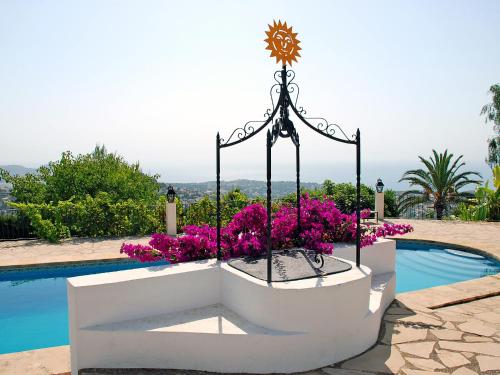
{"points": [[422, 265], [33, 302]]}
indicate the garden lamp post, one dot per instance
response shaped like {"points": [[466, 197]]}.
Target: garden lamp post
{"points": [[379, 199], [171, 212]]}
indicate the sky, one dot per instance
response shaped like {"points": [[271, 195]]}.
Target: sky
{"points": [[156, 80]]}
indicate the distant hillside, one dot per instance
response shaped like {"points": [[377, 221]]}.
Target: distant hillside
{"points": [[192, 191], [18, 169]]}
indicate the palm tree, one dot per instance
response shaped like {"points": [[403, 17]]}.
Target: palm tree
{"points": [[491, 112], [440, 182]]}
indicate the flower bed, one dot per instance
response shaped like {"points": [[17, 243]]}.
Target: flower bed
{"points": [[322, 224]]}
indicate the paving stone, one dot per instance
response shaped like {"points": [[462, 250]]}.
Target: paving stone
{"points": [[463, 371], [473, 309], [452, 317], [487, 363], [489, 316], [341, 371], [54, 360], [452, 359], [449, 325], [382, 358], [397, 334], [495, 326], [425, 364], [421, 318], [399, 311], [420, 372], [477, 327], [469, 338], [447, 334], [420, 349], [488, 348], [468, 355]]}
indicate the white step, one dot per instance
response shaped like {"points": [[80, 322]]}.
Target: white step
{"points": [[213, 319], [377, 291]]}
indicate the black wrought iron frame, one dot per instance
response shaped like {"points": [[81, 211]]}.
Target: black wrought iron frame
{"points": [[283, 127]]}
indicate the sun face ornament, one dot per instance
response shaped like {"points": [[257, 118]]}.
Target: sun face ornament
{"points": [[283, 43]]}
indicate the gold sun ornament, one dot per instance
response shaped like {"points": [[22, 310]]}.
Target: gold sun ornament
{"points": [[283, 43]]}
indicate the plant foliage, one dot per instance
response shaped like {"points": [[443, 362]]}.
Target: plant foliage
{"points": [[486, 202], [491, 112], [96, 194], [440, 183], [322, 224]]}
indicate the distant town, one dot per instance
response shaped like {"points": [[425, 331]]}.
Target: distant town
{"points": [[188, 192]]}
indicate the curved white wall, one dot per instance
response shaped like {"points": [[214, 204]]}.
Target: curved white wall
{"points": [[209, 316]]}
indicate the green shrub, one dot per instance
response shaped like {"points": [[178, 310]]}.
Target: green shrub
{"points": [[344, 196], [486, 202], [95, 194], [76, 177], [204, 211], [391, 203], [92, 217], [14, 225]]}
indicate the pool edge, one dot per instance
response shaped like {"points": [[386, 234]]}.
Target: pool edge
{"points": [[458, 246]]}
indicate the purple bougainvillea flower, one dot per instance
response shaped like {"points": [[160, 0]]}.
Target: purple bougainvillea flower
{"points": [[321, 225]]}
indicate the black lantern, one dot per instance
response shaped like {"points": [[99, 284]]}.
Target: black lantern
{"points": [[379, 186], [170, 194]]}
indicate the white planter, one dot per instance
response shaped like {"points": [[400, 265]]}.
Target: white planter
{"points": [[209, 316]]}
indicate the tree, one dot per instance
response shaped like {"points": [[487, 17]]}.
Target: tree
{"points": [[95, 194], [75, 177], [202, 212], [391, 208], [232, 203], [440, 182], [491, 111], [344, 195]]}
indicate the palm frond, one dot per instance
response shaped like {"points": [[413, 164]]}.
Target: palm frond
{"points": [[440, 180]]}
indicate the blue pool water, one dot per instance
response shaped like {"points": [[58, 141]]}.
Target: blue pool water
{"points": [[33, 303], [422, 265]]}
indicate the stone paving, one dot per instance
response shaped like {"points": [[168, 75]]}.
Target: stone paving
{"points": [[36, 252], [460, 339]]}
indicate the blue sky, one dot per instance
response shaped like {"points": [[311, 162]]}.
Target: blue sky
{"points": [[155, 81]]}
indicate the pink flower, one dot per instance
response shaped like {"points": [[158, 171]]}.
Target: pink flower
{"points": [[321, 224]]}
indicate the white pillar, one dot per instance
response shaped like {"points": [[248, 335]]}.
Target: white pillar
{"points": [[379, 205], [171, 218]]}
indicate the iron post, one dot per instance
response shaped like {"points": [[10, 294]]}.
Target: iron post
{"points": [[297, 160], [217, 158], [358, 197], [269, 250]]}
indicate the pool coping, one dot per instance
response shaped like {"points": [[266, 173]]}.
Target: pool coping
{"points": [[66, 263], [455, 293], [461, 247]]}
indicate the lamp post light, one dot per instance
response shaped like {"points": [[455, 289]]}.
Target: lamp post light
{"points": [[171, 212], [380, 186], [379, 199], [170, 194]]}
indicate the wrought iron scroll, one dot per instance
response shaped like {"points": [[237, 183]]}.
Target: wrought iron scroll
{"points": [[288, 95]]}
